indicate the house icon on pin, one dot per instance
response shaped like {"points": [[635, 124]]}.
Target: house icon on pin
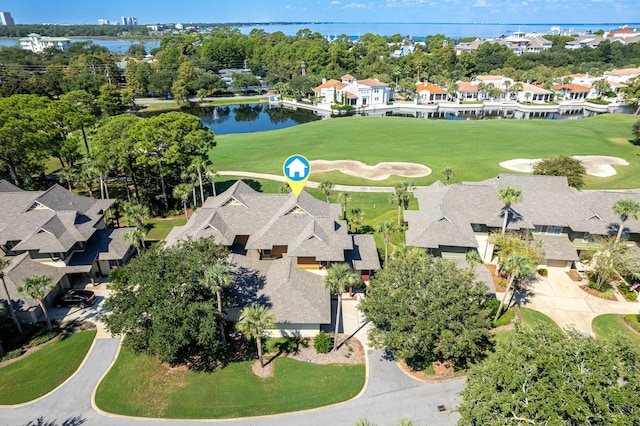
{"points": [[296, 169]]}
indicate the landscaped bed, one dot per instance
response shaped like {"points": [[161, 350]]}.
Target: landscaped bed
{"points": [[139, 385]]}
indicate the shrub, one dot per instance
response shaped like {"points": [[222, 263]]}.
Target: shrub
{"points": [[634, 321], [11, 354], [280, 344], [543, 272], [322, 342], [505, 318], [624, 288], [493, 305], [43, 336]]}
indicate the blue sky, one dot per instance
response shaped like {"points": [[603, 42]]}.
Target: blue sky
{"points": [[185, 11]]}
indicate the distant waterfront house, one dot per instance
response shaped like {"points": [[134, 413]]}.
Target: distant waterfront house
{"points": [[37, 43], [429, 93], [621, 75], [56, 233], [281, 247], [591, 41], [454, 219], [534, 94], [570, 91], [349, 91], [498, 81], [466, 91]]}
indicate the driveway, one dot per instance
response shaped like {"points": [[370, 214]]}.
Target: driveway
{"points": [[390, 395], [560, 298]]}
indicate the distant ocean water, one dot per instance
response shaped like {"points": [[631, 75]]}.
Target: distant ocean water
{"points": [[420, 30], [358, 29]]}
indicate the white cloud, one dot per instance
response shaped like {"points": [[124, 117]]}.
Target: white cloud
{"points": [[480, 3], [355, 6], [334, 2]]}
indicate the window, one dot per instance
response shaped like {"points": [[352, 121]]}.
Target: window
{"points": [[266, 252], [476, 227], [555, 230], [537, 229]]}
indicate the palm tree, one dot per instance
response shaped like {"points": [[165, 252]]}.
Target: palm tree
{"points": [[37, 287], [448, 174], [625, 208], [344, 198], [135, 214], [199, 164], [516, 266], [136, 236], [400, 196], [285, 188], [68, 173], [211, 174], [386, 229], [218, 277], [339, 277], [325, 186], [254, 320], [86, 176], [189, 177], [508, 196], [182, 192], [357, 218], [4, 263]]}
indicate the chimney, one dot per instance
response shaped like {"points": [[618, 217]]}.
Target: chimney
{"points": [[324, 80]]}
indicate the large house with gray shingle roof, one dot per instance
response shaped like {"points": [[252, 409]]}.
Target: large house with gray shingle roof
{"points": [[281, 246], [56, 233], [455, 219]]}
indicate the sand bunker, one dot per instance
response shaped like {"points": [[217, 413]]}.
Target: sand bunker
{"points": [[380, 171], [596, 165]]}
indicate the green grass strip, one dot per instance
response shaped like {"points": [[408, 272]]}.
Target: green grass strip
{"points": [[43, 370], [139, 385]]}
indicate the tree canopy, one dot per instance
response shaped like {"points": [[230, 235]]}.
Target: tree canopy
{"points": [[426, 309], [562, 165], [161, 305], [547, 376]]}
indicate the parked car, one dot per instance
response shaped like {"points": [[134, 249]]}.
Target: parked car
{"points": [[79, 298]]}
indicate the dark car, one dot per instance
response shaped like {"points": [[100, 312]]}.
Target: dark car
{"points": [[80, 298]]}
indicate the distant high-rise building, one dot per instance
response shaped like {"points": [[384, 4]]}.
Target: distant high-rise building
{"points": [[103, 22], [6, 18], [129, 20]]}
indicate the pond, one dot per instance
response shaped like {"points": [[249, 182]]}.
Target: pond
{"points": [[249, 118]]}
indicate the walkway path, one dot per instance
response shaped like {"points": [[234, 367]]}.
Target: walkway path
{"points": [[560, 298], [279, 178]]}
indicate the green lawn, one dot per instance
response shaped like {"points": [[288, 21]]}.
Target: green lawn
{"points": [[138, 385], [43, 370], [533, 319], [610, 324], [160, 228], [471, 148], [530, 318]]}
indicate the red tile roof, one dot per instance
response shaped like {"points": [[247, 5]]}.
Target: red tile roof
{"points": [[570, 87], [327, 84], [371, 83], [534, 89], [489, 77], [465, 86], [624, 71], [429, 87], [348, 77]]}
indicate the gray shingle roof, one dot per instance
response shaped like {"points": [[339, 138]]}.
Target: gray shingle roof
{"points": [[23, 267], [447, 213], [49, 221], [557, 247], [293, 295], [364, 255], [308, 226]]}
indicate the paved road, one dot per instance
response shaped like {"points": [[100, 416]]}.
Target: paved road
{"points": [[311, 184], [389, 397]]}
